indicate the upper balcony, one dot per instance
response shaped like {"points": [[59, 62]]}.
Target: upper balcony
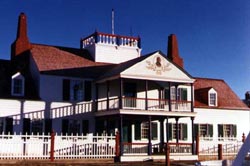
{"points": [[110, 39]]}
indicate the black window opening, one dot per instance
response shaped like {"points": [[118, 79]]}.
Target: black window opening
{"points": [[76, 90], [130, 92]]}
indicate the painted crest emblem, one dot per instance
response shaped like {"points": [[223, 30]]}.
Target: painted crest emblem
{"points": [[158, 65]]}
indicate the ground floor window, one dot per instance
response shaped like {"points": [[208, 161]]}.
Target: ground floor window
{"points": [[182, 132], [142, 130], [75, 127], [37, 126], [227, 130], [203, 130]]}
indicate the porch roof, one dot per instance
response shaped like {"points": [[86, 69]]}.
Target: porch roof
{"points": [[158, 114]]}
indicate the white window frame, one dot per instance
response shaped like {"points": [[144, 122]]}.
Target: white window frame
{"points": [[17, 76], [210, 93]]}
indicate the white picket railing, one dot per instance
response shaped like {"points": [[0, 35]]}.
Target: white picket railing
{"points": [[65, 147]]}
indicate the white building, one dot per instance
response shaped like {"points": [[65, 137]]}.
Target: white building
{"points": [[107, 86]]}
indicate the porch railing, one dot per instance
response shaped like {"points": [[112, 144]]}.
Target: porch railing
{"points": [[142, 148], [143, 104], [184, 148], [135, 148]]}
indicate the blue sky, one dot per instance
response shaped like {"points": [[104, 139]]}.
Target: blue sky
{"points": [[213, 35]]}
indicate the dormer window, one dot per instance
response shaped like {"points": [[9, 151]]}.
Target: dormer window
{"points": [[212, 97], [17, 85]]}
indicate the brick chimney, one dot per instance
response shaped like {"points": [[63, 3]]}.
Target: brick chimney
{"points": [[21, 44], [173, 53]]}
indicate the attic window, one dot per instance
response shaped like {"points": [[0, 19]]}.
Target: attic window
{"points": [[17, 85], [212, 97]]}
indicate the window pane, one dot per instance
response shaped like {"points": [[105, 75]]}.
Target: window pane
{"points": [[144, 130], [18, 85], [212, 98]]}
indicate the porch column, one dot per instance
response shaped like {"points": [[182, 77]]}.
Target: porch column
{"points": [[96, 96], [167, 130], [121, 92], [193, 136], [177, 130], [149, 136], [146, 94], [169, 97], [107, 94], [161, 134], [121, 135], [176, 97], [192, 97]]}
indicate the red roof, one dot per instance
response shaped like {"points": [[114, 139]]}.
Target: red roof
{"points": [[55, 58], [227, 99]]}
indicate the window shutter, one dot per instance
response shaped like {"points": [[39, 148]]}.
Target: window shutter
{"points": [[196, 130], [137, 131], [9, 126], [184, 131], [184, 94], [87, 90], [166, 94], [48, 126], [85, 127], [154, 131], [220, 130], [65, 126], [234, 131], [210, 130], [66, 89], [170, 131], [26, 126]]}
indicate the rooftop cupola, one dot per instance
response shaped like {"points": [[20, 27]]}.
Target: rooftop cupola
{"points": [[173, 53], [21, 44], [112, 48]]}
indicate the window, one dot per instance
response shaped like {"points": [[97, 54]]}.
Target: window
{"points": [[76, 90], [173, 93], [71, 127], [182, 94], [17, 85], [37, 126], [204, 130], [227, 130], [142, 129], [212, 99], [182, 131]]}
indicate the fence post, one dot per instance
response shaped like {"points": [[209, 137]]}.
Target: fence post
{"points": [[197, 145], [167, 154], [117, 144], [52, 145], [219, 151]]}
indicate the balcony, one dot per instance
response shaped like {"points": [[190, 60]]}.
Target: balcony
{"points": [[129, 103]]}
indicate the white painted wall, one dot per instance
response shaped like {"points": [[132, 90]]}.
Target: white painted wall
{"points": [[222, 116], [112, 53], [51, 88]]}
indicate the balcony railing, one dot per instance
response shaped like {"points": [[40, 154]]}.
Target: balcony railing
{"points": [[143, 104], [111, 39]]}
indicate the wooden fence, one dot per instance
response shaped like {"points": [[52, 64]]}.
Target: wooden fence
{"points": [[63, 147]]}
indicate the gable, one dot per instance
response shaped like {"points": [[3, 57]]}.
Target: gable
{"points": [[157, 67]]}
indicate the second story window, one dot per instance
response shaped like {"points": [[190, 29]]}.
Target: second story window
{"points": [[17, 85]]}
